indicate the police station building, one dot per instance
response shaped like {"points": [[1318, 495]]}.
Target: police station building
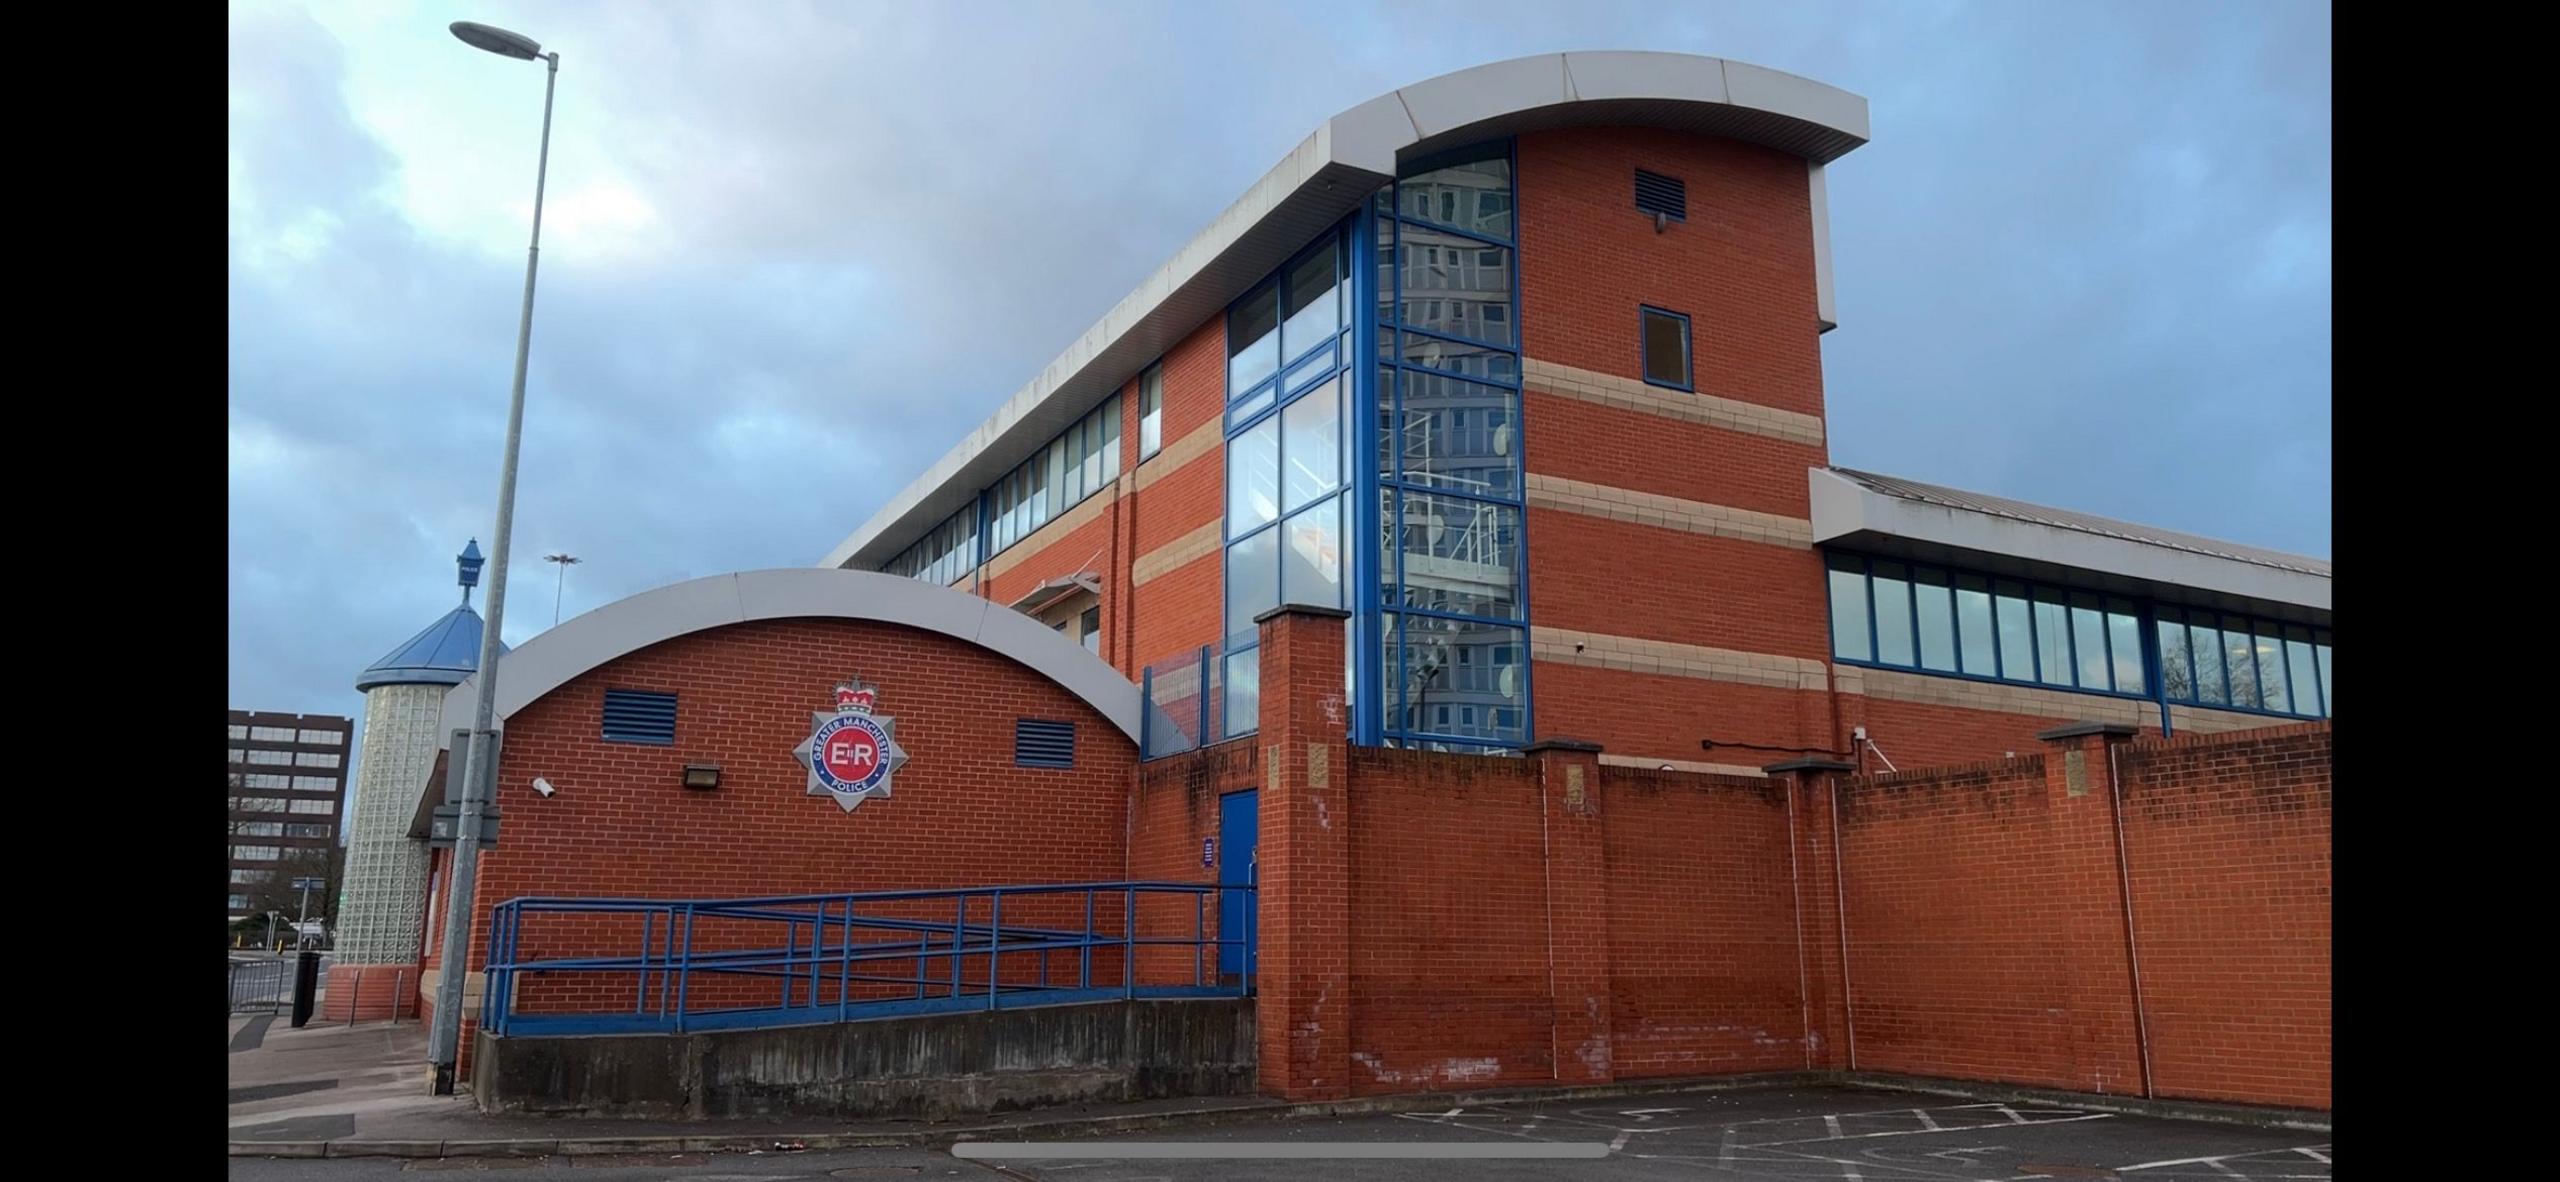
{"points": [[1443, 543]]}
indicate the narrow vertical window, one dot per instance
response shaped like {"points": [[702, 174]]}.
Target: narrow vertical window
{"points": [[1666, 349], [1150, 411], [1849, 639]]}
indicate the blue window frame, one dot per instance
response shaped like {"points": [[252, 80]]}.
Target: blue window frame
{"points": [[1664, 348], [1957, 623], [1446, 635], [1290, 405]]}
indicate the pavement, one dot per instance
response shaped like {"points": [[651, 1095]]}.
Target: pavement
{"points": [[334, 1102], [1749, 1134]]}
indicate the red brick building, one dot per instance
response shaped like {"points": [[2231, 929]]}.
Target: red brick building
{"points": [[1509, 386], [1522, 367]]}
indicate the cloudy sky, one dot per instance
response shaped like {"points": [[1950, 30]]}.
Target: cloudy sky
{"points": [[793, 251]]}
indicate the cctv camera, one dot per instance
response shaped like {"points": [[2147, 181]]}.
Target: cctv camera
{"points": [[543, 786]]}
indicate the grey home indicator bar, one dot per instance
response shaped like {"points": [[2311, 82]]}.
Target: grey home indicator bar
{"points": [[1094, 1150]]}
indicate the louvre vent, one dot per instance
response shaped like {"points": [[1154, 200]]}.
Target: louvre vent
{"points": [[638, 716], [1040, 743], [1665, 196]]}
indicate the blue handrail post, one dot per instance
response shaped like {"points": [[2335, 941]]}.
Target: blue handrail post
{"points": [[1200, 737], [1199, 932], [1146, 711], [995, 942], [844, 973], [1129, 944], [684, 968], [648, 925], [959, 939], [1084, 951]]}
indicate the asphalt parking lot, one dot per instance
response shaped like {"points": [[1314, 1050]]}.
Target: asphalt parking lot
{"points": [[1796, 1133]]}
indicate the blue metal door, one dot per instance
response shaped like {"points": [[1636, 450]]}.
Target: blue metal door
{"points": [[1238, 823]]}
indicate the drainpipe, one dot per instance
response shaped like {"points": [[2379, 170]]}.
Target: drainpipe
{"points": [[1840, 895], [2132, 953]]}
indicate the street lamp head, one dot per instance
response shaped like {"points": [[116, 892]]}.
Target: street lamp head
{"points": [[497, 40]]}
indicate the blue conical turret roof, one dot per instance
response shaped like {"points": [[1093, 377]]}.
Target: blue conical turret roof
{"points": [[445, 652]]}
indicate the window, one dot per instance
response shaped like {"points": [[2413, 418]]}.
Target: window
{"points": [[2213, 659], [1150, 411], [257, 804], [639, 716], [1449, 548], [314, 784], [271, 734], [306, 830], [267, 780], [324, 738], [1921, 617], [239, 756], [248, 876], [1092, 625], [258, 829], [943, 555], [272, 758], [314, 759], [239, 902], [314, 807], [1081, 461], [1663, 196], [1284, 458], [239, 732], [256, 853], [1666, 349]]}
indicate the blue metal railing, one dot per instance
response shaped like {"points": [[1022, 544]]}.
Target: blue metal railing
{"points": [[851, 957]]}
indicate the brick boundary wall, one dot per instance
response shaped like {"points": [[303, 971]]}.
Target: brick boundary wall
{"points": [[1442, 922]]}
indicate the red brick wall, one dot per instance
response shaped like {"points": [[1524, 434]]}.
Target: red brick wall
{"points": [[2228, 842], [1953, 892], [1702, 925], [1449, 985], [961, 814], [1741, 267], [1986, 909]]}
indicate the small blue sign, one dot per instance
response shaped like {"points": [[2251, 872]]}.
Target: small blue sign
{"points": [[1208, 851]]}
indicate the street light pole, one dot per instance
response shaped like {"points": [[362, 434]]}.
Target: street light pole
{"points": [[564, 561], [454, 961]]}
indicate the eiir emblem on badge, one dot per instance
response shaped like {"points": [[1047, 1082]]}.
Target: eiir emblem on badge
{"points": [[851, 752]]}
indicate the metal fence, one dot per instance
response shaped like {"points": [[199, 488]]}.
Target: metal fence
{"points": [[260, 986], [802, 959]]}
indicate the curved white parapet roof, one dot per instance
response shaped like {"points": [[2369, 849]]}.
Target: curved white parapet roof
{"points": [[1325, 178], [554, 658]]}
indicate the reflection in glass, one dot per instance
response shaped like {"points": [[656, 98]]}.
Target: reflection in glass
{"points": [[1253, 340], [1253, 584], [1460, 677], [1973, 626], [1455, 286], [2274, 687], [2320, 652], [2177, 678], [2053, 637], [1893, 614], [1937, 620], [1311, 556], [2240, 661], [1461, 436], [1474, 196], [2305, 670], [1474, 361], [2017, 634], [1459, 555], [1666, 349], [2089, 640], [1314, 308], [1310, 446], [1849, 640], [2205, 644], [1243, 675], [1253, 477], [2124, 646]]}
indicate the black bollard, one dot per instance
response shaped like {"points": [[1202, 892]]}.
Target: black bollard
{"points": [[306, 986]]}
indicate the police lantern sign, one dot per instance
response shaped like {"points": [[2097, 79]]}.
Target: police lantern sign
{"points": [[852, 752]]}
